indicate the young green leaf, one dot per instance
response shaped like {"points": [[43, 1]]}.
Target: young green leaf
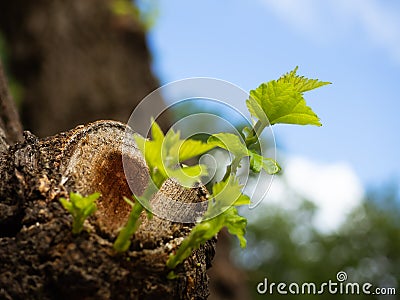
{"points": [[80, 208], [220, 213], [282, 103], [230, 142], [151, 150], [206, 230], [271, 166], [192, 148], [123, 240], [301, 83], [257, 111], [164, 153], [188, 176], [225, 194], [236, 225], [258, 162]]}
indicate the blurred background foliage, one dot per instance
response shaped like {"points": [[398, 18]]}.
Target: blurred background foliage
{"points": [[284, 246]]}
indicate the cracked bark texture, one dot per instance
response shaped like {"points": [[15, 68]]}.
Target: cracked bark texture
{"points": [[39, 256]]}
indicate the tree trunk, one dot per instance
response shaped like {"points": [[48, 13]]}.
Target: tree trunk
{"points": [[77, 62], [40, 258], [10, 126]]}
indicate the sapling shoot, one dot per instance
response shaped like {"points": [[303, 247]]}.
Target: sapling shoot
{"points": [[274, 102], [80, 208], [278, 101], [123, 240]]}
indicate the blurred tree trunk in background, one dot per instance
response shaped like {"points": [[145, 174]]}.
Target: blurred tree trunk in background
{"points": [[10, 125], [77, 61], [227, 282]]}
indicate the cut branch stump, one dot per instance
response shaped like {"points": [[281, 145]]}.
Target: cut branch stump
{"points": [[40, 258]]}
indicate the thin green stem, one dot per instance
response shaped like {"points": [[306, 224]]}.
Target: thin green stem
{"points": [[251, 140], [123, 242], [255, 133], [77, 224], [231, 168], [227, 172]]}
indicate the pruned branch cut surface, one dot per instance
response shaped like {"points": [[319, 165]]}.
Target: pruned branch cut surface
{"points": [[40, 258]]}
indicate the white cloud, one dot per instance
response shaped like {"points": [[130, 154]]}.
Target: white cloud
{"points": [[334, 188], [322, 20]]}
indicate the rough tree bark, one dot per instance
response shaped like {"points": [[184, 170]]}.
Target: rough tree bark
{"points": [[39, 256]]}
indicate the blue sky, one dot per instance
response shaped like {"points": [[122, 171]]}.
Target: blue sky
{"points": [[355, 44]]}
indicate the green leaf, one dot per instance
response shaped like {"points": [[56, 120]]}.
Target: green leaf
{"points": [[259, 162], [151, 150], [281, 101], [123, 240], [230, 142], [301, 83], [220, 213], [156, 132], [171, 144], [187, 176], [164, 153], [283, 104], [182, 150], [80, 208], [66, 204], [193, 148], [256, 110], [256, 162], [171, 275], [236, 225], [271, 166], [206, 230], [225, 194]]}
